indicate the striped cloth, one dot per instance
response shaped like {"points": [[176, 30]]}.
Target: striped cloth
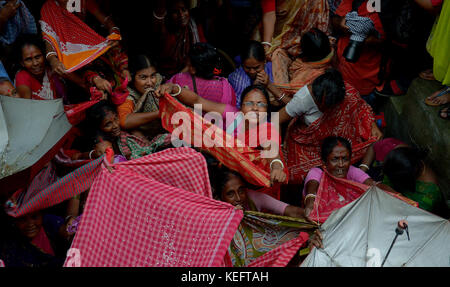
{"points": [[40, 195], [75, 42], [133, 219], [240, 158]]}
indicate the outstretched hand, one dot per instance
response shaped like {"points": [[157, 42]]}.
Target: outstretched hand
{"points": [[316, 240], [168, 88]]}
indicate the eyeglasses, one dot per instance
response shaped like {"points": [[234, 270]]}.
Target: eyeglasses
{"points": [[258, 104]]}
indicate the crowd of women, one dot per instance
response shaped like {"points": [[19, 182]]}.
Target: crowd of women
{"points": [[323, 66]]}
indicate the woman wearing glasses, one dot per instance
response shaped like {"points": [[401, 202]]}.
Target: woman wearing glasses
{"points": [[247, 124]]}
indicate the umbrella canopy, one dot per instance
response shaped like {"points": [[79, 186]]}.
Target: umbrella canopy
{"points": [[29, 130], [360, 234]]}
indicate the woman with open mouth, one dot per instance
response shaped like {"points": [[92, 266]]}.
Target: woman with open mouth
{"points": [[336, 154], [36, 81]]}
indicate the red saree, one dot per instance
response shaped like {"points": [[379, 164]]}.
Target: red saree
{"points": [[334, 193], [75, 42], [238, 157], [351, 119]]}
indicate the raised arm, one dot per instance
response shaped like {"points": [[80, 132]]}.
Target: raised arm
{"points": [[190, 98], [311, 188]]}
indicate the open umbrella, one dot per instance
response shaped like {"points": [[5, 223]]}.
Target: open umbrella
{"points": [[31, 132], [361, 233]]}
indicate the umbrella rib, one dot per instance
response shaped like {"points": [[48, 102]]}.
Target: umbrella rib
{"points": [[438, 229]]}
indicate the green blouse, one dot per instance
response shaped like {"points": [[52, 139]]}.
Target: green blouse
{"points": [[427, 194]]}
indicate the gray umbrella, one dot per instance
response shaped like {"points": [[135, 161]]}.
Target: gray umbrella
{"points": [[29, 129], [360, 234]]}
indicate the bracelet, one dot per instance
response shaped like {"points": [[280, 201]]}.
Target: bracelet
{"points": [[115, 28], [308, 196], [179, 91], [50, 54], [160, 17], [276, 160], [106, 19], [90, 154], [364, 165], [267, 43], [282, 96], [68, 218]]}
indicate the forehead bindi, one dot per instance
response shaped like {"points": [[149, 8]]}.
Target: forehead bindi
{"points": [[339, 151]]}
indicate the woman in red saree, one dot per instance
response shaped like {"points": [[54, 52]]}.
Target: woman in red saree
{"points": [[337, 182], [352, 118], [255, 140]]}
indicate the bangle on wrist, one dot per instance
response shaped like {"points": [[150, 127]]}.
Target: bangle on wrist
{"points": [[267, 43], [114, 28], [282, 96], [277, 160], [51, 54], [364, 165], [311, 195], [90, 154], [68, 217], [179, 91], [160, 17]]}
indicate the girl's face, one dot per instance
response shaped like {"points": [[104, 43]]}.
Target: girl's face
{"points": [[145, 79], [179, 14], [29, 225], [235, 192], [338, 161], [110, 125], [252, 67], [33, 60], [253, 104]]}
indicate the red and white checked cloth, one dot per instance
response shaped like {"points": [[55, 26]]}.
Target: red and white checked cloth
{"points": [[133, 219]]}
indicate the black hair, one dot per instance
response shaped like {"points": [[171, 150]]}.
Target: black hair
{"points": [[328, 89], [403, 166], [28, 40], [329, 143], [101, 134], [263, 90], [315, 45], [219, 175], [253, 49], [96, 114], [139, 62], [204, 58]]}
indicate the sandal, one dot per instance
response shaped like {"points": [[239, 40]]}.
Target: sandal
{"points": [[445, 111], [427, 75], [439, 93]]}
